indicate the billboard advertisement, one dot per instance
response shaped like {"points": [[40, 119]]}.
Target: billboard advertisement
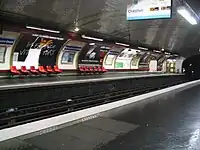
{"points": [[112, 55], [69, 53], [35, 50], [93, 54], [124, 59], [149, 9], [4, 44]]}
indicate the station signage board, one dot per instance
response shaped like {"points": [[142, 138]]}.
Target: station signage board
{"points": [[6, 41], [149, 9]]}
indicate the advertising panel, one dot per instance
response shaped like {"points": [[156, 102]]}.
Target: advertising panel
{"points": [[68, 57], [93, 54], [110, 59], [149, 9], [124, 59], [34, 50], [142, 55], [162, 59], [69, 53], [135, 61], [112, 55], [4, 44]]}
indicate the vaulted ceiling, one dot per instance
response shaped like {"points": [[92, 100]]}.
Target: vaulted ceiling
{"points": [[109, 17]]}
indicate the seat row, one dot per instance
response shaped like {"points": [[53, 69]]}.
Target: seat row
{"points": [[92, 69], [41, 70]]}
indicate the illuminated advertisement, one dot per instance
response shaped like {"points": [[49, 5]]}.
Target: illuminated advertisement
{"points": [[93, 54], [37, 50], [90, 54], [124, 59], [135, 60], [69, 53], [104, 50], [68, 57], [112, 55], [4, 44], [110, 59], [148, 9], [162, 59]]}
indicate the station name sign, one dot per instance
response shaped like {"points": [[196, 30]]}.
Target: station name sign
{"points": [[6, 41], [149, 9]]}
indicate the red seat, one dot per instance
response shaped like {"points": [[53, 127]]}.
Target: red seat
{"points": [[91, 69], [57, 70], [24, 70], [95, 69], [14, 70], [103, 69], [86, 69], [33, 70], [50, 69], [42, 70], [99, 69], [82, 69]]}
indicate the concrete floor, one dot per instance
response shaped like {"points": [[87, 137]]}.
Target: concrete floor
{"points": [[165, 123]]}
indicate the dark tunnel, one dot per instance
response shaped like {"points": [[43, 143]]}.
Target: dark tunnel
{"points": [[191, 67]]}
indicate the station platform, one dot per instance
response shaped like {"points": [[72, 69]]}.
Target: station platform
{"points": [[25, 82], [169, 121]]}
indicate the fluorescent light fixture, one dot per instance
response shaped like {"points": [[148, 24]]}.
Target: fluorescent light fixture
{"points": [[143, 48], [157, 51], [91, 38], [167, 53], [48, 37], [122, 44], [76, 29], [187, 15], [42, 29], [92, 44]]}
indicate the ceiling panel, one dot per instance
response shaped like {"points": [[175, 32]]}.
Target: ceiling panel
{"points": [[109, 17]]}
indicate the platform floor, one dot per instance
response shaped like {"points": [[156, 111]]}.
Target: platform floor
{"points": [[55, 80], [164, 123]]}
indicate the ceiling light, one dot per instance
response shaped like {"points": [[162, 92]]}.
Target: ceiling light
{"points": [[122, 44], [91, 38], [76, 29], [143, 48], [42, 29], [48, 37], [187, 15], [157, 51], [92, 44]]}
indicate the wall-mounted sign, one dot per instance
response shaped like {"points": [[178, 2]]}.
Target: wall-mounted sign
{"points": [[6, 41], [149, 9]]}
